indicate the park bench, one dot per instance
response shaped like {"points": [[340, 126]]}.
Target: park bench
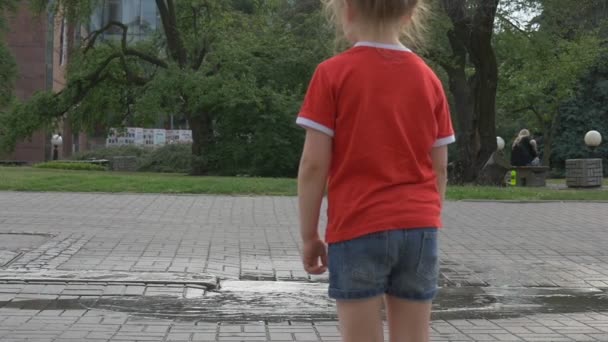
{"points": [[497, 172], [532, 176]]}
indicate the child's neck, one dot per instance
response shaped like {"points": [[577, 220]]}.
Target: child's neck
{"points": [[389, 37]]}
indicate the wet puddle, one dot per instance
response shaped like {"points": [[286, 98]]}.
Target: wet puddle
{"points": [[511, 302], [279, 301]]}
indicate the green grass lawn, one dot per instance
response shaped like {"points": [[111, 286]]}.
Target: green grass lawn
{"points": [[29, 179]]}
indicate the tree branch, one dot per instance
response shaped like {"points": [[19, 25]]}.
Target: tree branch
{"points": [[123, 44], [513, 25], [83, 86], [163, 10], [131, 76], [92, 37], [438, 58], [148, 58], [538, 116], [174, 39], [171, 9], [455, 9], [484, 16], [530, 108], [200, 59], [81, 93]]}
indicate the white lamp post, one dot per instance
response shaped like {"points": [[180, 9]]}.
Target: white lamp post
{"points": [[593, 139], [56, 141], [500, 143]]}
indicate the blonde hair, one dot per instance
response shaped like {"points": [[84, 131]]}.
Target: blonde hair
{"points": [[383, 14], [522, 134]]}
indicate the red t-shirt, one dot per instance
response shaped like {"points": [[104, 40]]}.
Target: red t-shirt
{"points": [[386, 110]]}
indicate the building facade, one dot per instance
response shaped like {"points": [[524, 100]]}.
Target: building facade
{"points": [[42, 45], [31, 45]]}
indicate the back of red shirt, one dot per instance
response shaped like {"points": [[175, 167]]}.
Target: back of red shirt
{"points": [[386, 110]]}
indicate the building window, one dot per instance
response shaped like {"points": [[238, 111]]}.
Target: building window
{"points": [[113, 13], [141, 17]]}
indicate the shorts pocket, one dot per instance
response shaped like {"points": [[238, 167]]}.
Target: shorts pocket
{"points": [[355, 265], [428, 262]]}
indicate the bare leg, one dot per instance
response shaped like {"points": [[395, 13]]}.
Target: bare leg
{"points": [[361, 320], [408, 321]]}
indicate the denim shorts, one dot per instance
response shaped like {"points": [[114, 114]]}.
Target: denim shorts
{"points": [[400, 263]]}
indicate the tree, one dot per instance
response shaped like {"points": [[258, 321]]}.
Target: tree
{"points": [[542, 63], [469, 60], [208, 65], [583, 112]]}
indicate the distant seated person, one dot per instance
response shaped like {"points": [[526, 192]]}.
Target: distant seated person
{"points": [[524, 151]]}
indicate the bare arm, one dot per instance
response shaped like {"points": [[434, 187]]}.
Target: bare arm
{"points": [[439, 155], [312, 178]]}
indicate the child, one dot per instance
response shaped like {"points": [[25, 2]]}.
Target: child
{"points": [[378, 126]]}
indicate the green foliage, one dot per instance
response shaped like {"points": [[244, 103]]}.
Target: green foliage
{"points": [[111, 102], [257, 135], [174, 158], [542, 63], [246, 68], [7, 7], [110, 152], [25, 118], [168, 159], [585, 111], [540, 71], [59, 165]]}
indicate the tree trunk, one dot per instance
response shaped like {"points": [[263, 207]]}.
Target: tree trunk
{"points": [[201, 139], [475, 97], [547, 149], [484, 87], [200, 122], [551, 131], [466, 137]]}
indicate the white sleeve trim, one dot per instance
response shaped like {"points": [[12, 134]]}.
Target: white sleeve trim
{"points": [[307, 123], [445, 141]]}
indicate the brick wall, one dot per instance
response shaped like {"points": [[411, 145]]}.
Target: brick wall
{"points": [[26, 40], [584, 172]]}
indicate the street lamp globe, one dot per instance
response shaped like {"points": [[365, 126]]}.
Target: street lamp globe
{"points": [[57, 140], [593, 139], [500, 143]]}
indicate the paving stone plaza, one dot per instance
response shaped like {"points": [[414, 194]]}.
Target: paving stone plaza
{"points": [[100, 267]]}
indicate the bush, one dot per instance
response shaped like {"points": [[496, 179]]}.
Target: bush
{"points": [[169, 158], [61, 165], [175, 158], [109, 152]]}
